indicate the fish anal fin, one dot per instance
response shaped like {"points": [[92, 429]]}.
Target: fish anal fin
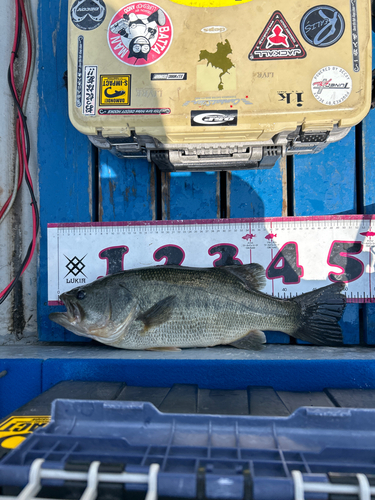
{"points": [[170, 349], [157, 314], [254, 340], [253, 276]]}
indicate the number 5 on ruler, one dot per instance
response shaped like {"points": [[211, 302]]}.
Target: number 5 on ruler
{"points": [[286, 265]]}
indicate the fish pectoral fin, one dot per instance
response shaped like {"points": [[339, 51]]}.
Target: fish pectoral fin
{"points": [[157, 314], [163, 349], [254, 340], [253, 276]]}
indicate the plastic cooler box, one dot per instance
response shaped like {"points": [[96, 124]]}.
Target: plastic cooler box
{"points": [[218, 84]]}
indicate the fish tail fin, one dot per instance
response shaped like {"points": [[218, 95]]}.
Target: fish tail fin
{"points": [[321, 311]]}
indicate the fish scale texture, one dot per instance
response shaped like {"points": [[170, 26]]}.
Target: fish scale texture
{"points": [[172, 307], [210, 307]]}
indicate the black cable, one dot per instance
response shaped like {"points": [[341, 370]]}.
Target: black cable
{"points": [[19, 32], [25, 138]]}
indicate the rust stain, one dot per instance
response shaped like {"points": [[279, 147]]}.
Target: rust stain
{"points": [[151, 192], [100, 201], [112, 188], [166, 195], [284, 210], [134, 188], [229, 180], [218, 204]]}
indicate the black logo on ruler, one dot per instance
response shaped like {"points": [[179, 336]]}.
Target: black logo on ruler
{"points": [[322, 26], [75, 266], [277, 41], [88, 14], [212, 118]]}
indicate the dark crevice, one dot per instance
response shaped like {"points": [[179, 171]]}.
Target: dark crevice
{"points": [[361, 321], [359, 169], [18, 304], [158, 194], [223, 195], [95, 184], [290, 185]]}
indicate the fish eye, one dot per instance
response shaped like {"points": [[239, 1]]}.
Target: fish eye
{"points": [[81, 294]]}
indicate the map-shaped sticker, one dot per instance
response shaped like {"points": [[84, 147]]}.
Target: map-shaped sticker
{"points": [[219, 59]]}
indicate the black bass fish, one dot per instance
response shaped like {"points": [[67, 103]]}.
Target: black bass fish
{"points": [[169, 307]]}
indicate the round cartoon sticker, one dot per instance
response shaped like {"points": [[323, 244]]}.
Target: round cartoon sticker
{"points": [[331, 85], [140, 34]]}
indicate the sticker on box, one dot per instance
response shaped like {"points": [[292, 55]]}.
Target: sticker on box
{"points": [[89, 98], [15, 429], [140, 34], [331, 85], [220, 63], [355, 41], [79, 72], [168, 76], [322, 26], [135, 111], [214, 101], [214, 118], [213, 30], [88, 14], [277, 41], [115, 90]]}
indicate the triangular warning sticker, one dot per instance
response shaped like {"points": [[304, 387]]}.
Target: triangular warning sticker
{"points": [[277, 41]]}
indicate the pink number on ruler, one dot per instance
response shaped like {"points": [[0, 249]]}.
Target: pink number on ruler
{"points": [[285, 265], [173, 255], [340, 256]]}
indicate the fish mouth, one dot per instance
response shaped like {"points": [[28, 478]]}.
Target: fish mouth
{"points": [[72, 316]]}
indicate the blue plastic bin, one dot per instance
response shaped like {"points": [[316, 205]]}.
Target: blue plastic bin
{"points": [[225, 454]]}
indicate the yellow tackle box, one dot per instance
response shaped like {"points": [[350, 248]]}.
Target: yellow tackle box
{"points": [[218, 84]]}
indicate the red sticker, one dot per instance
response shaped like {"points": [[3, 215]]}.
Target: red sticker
{"points": [[277, 41], [140, 34]]}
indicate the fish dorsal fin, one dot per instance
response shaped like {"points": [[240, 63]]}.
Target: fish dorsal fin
{"points": [[251, 275], [254, 340], [157, 314]]}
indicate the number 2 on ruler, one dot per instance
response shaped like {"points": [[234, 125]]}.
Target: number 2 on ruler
{"points": [[284, 265]]}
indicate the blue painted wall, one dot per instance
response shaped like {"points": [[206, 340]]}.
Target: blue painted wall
{"points": [[79, 183]]}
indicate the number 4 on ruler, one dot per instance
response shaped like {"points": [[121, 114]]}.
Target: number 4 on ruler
{"points": [[286, 265]]}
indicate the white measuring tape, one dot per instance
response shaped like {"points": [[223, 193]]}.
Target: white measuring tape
{"points": [[297, 253]]}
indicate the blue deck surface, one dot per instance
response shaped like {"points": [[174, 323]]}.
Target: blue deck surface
{"points": [[80, 184]]}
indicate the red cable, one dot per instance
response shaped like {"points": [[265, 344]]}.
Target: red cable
{"points": [[20, 132], [19, 3], [29, 52]]}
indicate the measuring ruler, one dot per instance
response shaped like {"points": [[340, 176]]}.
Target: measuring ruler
{"points": [[298, 254]]}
